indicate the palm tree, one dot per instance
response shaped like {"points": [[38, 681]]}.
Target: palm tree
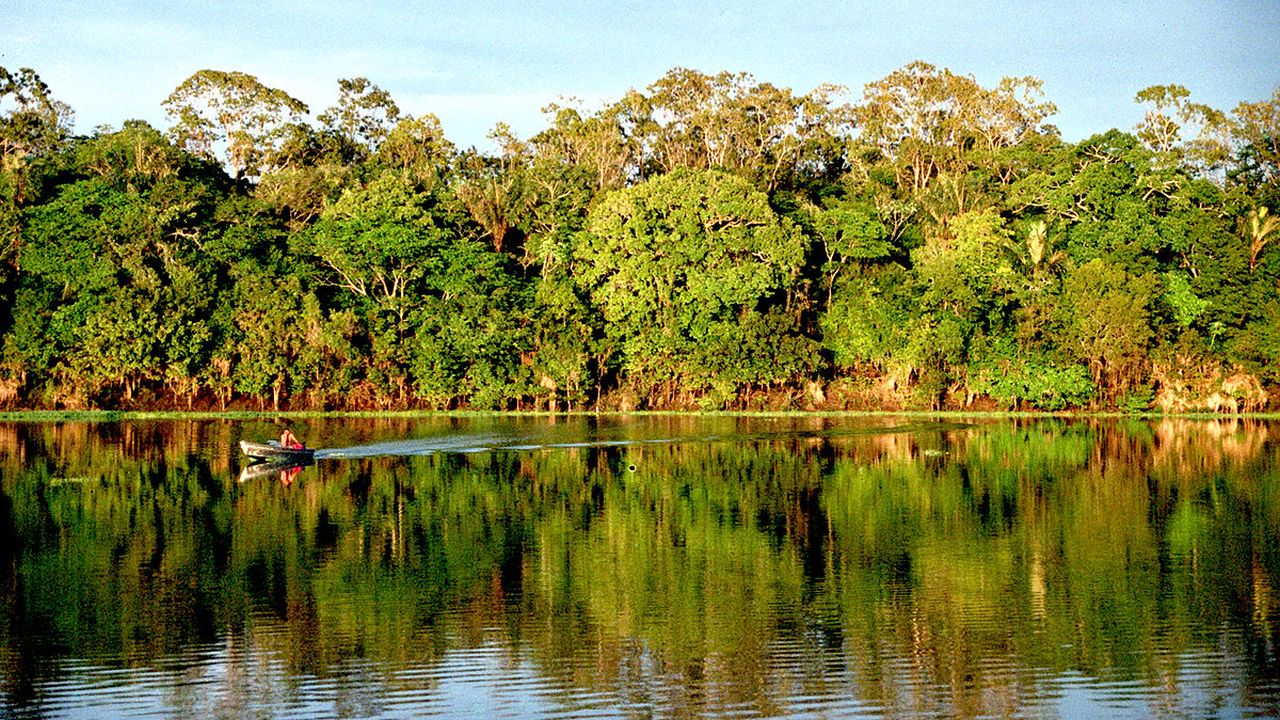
{"points": [[1035, 258], [1258, 228]]}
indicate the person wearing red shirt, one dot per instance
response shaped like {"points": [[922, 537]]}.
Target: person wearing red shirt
{"points": [[289, 441]]}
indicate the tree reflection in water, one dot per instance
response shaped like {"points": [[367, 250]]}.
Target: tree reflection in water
{"points": [[760, 566]]}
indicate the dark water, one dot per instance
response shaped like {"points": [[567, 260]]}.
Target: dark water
{"points": [[649, 567]]}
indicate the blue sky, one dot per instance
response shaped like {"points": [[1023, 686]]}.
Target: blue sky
{"points": [[477, 63]]}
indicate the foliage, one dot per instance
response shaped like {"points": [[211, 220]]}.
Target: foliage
{"points": [[677, 265], [1018, 379], [711, 240], [869, 320], [212, 107], [1107, 322]]}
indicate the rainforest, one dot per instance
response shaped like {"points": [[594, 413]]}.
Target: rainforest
{"points": [[711, 241]]}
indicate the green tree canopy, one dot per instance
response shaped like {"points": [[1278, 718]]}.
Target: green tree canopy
{"points": [[672, 259], [212, 107]]}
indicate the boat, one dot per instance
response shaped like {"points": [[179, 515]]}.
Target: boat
{"points": [[271, 450]]}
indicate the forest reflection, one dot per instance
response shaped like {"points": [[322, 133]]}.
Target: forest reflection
{"points": [[914, 568]]}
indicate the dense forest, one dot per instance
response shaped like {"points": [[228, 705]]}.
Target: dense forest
{"points": [[712, 241]]}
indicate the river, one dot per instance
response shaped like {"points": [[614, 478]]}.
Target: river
{"points": [[649, 566]]}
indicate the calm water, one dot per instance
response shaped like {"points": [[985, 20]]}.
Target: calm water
{"points": [[647, 567]]}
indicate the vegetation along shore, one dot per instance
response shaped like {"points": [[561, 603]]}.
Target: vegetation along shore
{"points": [[709, 242]]}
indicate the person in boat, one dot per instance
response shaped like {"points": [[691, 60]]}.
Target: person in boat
{"points": [[289, 441]]}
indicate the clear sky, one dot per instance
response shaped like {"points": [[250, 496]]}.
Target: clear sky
{"points": [[474, 62]]}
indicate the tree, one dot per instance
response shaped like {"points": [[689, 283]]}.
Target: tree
{"points": [[32, 122], [557, 198], [437, 310], [379, 242], [729, 121], [1258, 228], [1035, 257], [213, 107], [270, 335], [869, 320], [122, 241], [417, 149], [1037, 269], [561, 328], [1159, 131], [1094, 191], [604, 144], [1107, 322], [670, 261], [1256, 129], [493, 189], [118, 344], [926, 119], [1258, 346], [1162, 127], [968, 273], [966, 292], [299, 194], [362, 119], [467, 344], [848, 231]]}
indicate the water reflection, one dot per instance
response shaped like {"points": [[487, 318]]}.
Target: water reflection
{"points": [[648, 566]]}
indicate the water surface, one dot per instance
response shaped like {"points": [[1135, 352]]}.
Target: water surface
{"points": [[652, 566]]}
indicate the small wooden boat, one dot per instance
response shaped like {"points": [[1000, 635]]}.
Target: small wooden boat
{"points": [[272, 451]]}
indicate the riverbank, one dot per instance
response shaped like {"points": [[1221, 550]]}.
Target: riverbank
{"points": [[133, 415]]}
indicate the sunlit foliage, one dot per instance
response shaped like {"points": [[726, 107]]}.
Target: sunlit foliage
{"points": [[708, 241]]}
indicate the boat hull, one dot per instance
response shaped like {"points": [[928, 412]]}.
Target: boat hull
{"points": [[275, 453]]}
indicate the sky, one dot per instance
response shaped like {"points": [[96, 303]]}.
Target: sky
{"points": [[476, 63]]}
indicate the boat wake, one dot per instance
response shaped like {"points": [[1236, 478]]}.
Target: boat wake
{"points": [[420, 446], [493, 442], [467, 444]]}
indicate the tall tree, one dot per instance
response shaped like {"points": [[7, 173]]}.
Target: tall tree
{"points": [[213, 107], [362, 119], [417, 149], [493, 189], [1256, 128], [32, 124], [31, 120], [1172, 114], [678, 265], [604, 143], [731, 122], [926, 119]]}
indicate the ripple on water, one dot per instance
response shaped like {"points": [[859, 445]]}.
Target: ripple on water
{"points": [[805, 678]]}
